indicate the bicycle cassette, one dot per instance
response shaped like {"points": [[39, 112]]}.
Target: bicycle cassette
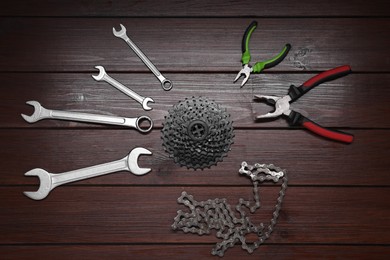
{"points": [[197, 133]]}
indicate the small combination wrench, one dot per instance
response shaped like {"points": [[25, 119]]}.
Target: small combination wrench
{"points": [[166, 84], [42, 113], [49, 181], [103, 76]]}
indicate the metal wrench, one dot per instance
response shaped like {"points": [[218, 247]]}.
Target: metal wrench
{"points": [[42, 113], [103, 76], [48, 181], [166, 84]]}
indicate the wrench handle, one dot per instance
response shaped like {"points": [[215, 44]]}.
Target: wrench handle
{"points": [[144, 58], [119, 86], [92, 118], [133, 122], [90, 172], [166, 84]]}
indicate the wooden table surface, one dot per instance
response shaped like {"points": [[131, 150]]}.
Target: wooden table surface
{"points": [[337, 203]]}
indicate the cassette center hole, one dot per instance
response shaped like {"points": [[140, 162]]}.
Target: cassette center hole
{"points": [[198, 130]]}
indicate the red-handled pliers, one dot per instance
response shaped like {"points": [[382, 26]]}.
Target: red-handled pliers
{"points": [[282, 105]]}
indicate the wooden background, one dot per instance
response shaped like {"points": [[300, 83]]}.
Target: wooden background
{"points": [[337, 204]]}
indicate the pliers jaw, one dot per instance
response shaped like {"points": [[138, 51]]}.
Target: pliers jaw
{"points": [[246, 71], [282, 106]]}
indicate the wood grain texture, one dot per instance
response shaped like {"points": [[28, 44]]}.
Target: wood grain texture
{"points": [[198, 8], [179, 252], [309, 160], [336, 206], [352, 101], [144, 215], [192, 45]]}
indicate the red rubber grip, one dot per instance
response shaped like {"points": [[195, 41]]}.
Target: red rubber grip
{"points": [[338, 136], [327, 75]]}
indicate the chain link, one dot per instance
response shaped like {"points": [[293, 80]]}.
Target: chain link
{"points": [[217, 214]]}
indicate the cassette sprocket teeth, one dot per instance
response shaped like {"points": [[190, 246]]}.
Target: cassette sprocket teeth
{"points": [[197, 133]]}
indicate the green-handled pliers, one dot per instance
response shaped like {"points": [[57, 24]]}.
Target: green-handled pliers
{"points": [[259, 66]]}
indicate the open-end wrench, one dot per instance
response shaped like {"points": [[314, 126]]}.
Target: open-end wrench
{"points": [[48, 181], [42, 113], [166, 84], [103, 76]]}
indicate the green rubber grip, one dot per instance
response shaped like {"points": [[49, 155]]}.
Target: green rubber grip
{"points": [[259, 66], [246, 56]]}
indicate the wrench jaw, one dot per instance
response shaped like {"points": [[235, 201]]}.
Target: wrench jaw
{"points": [[145, 103], [132, 161], [45, 184], [102, 73], [36, 116], [121, 33]]}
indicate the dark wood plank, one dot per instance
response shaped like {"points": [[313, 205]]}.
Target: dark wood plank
{"points": [[218, 8], [192, 252], [310, 160], [144, 215], [192, 45], [336, 204], [358, 100]]}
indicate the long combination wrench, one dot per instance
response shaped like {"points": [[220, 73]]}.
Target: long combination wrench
{"points": [[166, 84], [42, 113], [49, 181]]}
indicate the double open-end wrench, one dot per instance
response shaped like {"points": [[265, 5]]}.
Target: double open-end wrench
{"points": [[48, 181], [166, 84], [103, 76], [42, 113]]}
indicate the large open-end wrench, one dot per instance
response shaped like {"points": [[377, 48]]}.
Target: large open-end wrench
{"points": [[48, 181], [42, 113], [103, 76], [166, 84]]}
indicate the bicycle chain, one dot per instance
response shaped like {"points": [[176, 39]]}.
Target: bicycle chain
{"points": [[217, 214]]}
